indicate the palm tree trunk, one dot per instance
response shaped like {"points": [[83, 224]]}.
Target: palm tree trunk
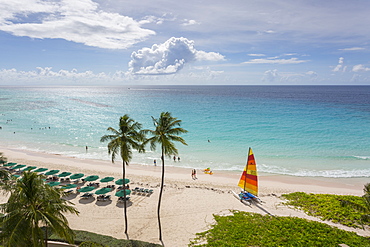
{"points": [[124, 195], [46, 235], [160, 198]]}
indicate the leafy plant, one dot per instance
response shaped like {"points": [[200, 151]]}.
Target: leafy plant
{"points": [[327, 207], [364, 208], [251, 229]]}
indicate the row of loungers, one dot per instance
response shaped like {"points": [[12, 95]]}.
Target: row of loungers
{"points": [[142, 191]]}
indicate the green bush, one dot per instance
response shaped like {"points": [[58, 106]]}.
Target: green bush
{"points": [[91, 244], [84, 236], [251, 229], [327, 207]]}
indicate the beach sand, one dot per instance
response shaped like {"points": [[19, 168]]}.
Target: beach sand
{"points": [[187, 205]]}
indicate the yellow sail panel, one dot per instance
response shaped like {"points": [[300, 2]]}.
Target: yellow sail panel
{"points": [[248, 181]]}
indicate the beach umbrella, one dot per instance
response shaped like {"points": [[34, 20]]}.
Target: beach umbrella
{"points": [[76, 176], [119, 181], [40, 170], [86, 189], [92, 178], [64, 174], [106, 179], [120, 193], [69, 186], [102, 191], [53, 183], [16, 176], [17, 167], [10, 164], [51, 172], [29, 168]]}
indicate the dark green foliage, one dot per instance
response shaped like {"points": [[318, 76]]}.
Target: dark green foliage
{"points": [[251, 229], [91, 244], [327, 207], [83, 236]]}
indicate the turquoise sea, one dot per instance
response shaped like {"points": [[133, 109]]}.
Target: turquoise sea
{"points": [[295, 130]]}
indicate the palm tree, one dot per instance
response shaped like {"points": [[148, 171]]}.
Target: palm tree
{"points": [[122, 141], [31, 205], [360, 208], [167, 129]]}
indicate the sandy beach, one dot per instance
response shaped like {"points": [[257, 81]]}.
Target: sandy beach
{"points": [[187, 206]]}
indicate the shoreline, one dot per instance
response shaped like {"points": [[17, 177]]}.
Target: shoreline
{"points": [[187, 205], [225, 178]]}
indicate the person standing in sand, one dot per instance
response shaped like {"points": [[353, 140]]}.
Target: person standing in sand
{"points": [[192, 174], [155, 162], [195, 174]]}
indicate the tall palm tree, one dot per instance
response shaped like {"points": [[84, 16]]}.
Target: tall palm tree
{"points": [[360, 208], [122, 142], [167, 129], [31, 205]]}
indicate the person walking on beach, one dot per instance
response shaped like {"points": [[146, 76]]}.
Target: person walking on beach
{"points": [[174, 158], [195, 174], [155, 162], [192, 174]]}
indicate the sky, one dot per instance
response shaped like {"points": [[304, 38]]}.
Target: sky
{"points": [[203, 42]]}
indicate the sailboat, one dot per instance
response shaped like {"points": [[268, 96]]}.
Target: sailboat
{"points": [[249, 181]]}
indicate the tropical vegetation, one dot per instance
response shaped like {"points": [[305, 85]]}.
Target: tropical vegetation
{"points": [[251, 229], [3, 159], [362, 208], [328, 207], [121, 143], [167, 129], [84, 238], [33, 204]]}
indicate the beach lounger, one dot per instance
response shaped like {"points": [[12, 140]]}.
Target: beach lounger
{"points": [[107, 198]]}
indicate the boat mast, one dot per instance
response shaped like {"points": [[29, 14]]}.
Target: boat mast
{"points": [[246, 169]]}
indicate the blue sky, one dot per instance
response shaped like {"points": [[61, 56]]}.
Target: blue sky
{"points": [[106, 42]]}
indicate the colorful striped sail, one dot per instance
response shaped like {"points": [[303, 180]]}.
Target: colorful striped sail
{"points": [[248, 181]]}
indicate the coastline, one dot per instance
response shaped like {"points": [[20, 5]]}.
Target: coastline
{"points": [[187, 204]]}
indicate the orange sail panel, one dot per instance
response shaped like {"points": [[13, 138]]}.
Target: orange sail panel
{"points": [[248, 181]]}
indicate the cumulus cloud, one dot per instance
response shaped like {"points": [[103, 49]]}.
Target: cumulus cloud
{"points": [[360, 68], [189, 22], [79, 21], [340, 67], [270, 75], [168, 57]]}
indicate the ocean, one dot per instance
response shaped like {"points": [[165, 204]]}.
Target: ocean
{"points": [[318, 131]]}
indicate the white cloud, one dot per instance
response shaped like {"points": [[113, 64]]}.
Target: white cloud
{"points": [[274, 60], [168, 58], [353, 49], [78, 21], [190, 22], [340, 67], [360, 68], [47, 76], [270, 75], [256, 55]]}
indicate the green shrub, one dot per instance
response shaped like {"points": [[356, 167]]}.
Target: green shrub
{"points": [[91, 244], [84, 236], [251, 229], [327, 207]]}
